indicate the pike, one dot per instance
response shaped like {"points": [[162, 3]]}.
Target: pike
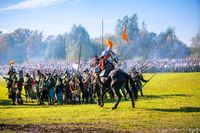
{"points": [[79, 58], [53, 72], [162, 67], [145, 57], [3, 76], [125, 56]]}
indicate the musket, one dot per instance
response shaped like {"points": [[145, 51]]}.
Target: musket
{"points": [[162, 67]]}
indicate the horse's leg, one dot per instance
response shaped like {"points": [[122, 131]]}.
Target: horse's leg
{"points": [[97, 91], [117, 92], [111, 93], [124, 93], [130, 94], [101, 97], [26, 93]]}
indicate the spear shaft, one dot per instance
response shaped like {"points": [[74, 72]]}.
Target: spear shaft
{"points": [[162, 67]]}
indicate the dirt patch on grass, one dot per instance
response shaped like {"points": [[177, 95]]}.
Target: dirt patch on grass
{"points": [[82, 128], [67, 127]]}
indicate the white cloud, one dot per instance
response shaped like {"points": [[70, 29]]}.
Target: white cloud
{"points": [[30, 4]]}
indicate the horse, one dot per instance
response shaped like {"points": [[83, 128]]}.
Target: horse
{"points": [[115, 81]]}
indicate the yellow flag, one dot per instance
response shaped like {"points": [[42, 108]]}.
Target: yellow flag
{"points": [[124, 35]]}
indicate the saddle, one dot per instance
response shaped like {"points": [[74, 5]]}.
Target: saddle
{"points": [[108, 68]]}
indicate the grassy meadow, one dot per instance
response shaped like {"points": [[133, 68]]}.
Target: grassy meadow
{"points": [[171, 103]]}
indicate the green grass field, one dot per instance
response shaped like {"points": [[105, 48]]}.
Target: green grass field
{"points": [[171, 103]]}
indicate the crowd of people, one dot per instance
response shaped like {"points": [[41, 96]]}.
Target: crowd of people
{"points": [[164, 65], [147, 66], [66, 87]]}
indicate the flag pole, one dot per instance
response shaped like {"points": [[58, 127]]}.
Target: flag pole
{"points": [[67, 52], [120, 44], [102, 36]]}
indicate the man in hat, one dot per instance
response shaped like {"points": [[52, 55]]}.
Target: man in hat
{"points": [[59, 90], [11, 70], [75, 90], [138, 78], [50, 84], [42, 89], [13, 89], [27, 87], [87, 85], [19, 82], [67, 92]]}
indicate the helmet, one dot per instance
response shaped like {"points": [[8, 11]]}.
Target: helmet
{"points": [[109, 43]]}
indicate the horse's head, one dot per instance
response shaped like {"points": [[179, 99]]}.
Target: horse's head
{"points": [[94, 62]]}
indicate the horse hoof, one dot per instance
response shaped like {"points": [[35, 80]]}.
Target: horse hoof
{"points": [[135, 100], [114, 108], [133, 106], [101, 105]]}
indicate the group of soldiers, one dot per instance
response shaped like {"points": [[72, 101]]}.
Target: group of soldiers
{"points": [[68, 88], [49, 87]]}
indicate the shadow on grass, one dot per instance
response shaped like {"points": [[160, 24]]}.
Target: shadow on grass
{"points": [[164, 96], [182, 109], [7, 103]]}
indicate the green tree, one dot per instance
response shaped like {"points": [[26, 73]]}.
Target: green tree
{"points": [[56, 48], [196, 45], [79, 36]]}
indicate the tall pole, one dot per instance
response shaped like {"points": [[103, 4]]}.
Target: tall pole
{"points": [[79, 58], [102, 37], [67, 52], [119, 48]]}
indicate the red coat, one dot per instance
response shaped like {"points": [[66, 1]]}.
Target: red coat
{"points": [[102, 61]]}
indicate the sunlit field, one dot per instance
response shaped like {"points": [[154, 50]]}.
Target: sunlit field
{"points": [[171, 103]]}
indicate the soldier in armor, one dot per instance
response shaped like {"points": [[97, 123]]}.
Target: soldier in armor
{"points": [[87, 85], [20, 81], [108, 57], [42, 89], [74, 88], [106, 62], [67, 92], [27, 87], [50, 84], [59, 90], [13, 89], [37, 78], [138, 78]]}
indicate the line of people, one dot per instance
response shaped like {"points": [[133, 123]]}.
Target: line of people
{"points": [[49, 87], [68, 88]]}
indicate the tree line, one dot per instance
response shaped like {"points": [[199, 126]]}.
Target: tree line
{"points": [[24, 44]]}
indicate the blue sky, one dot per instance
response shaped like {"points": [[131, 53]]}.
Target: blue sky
{"points": [[58, 16]]}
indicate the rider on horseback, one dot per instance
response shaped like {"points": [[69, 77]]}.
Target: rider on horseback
{"points": [[105, 63], [108, 57], [107, 60]]}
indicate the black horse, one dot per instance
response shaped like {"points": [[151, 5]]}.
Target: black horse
{"points": [[115, 81]]}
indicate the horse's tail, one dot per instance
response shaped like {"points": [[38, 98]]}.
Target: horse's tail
{"points": [[134, 89]]}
